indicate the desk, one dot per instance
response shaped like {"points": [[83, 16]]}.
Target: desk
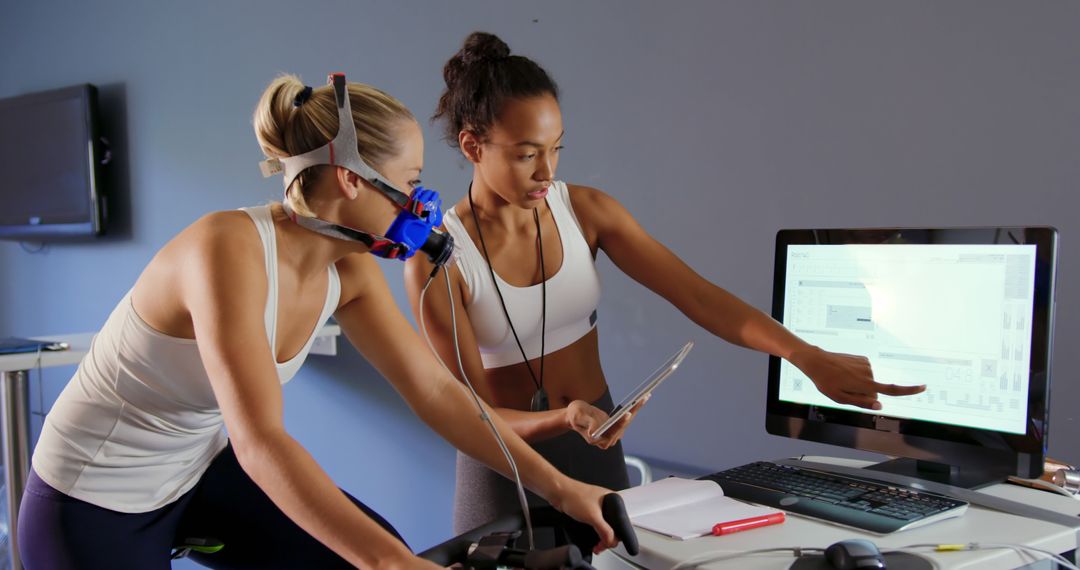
{"points": [[15, 412], [977, 525]]}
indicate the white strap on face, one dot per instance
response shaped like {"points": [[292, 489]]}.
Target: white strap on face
{"points": [[341, 151], [331, 229]]}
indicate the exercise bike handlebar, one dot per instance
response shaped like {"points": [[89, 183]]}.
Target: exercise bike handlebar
{"points": [[456, 549], [583, 538], [615, 515]]}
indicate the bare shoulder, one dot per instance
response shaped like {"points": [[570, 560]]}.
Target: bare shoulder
{"points": [[219, 252], [581, 193], [227, 242], [216, 228], [595, 209], [356, 272], [589, 199]]}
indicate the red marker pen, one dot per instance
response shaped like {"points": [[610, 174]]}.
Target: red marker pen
{"points": [[723, 528]]}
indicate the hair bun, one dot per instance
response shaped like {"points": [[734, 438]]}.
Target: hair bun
{"points": [[482, 46], [480, 78], [479, 48]]}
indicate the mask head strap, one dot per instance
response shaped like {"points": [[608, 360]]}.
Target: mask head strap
{"points": [[379, 245], [414, 228], [341, 151]]}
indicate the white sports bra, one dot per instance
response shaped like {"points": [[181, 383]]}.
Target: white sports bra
{"points": [[573, 292]]}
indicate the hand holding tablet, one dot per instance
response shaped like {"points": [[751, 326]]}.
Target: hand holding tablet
{"points": [[643, 390]]}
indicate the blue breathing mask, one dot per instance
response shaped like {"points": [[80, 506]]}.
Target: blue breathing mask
{"points": [[414, 227]]}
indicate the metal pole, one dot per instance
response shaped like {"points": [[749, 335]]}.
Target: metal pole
{"points": [[15, 426]]}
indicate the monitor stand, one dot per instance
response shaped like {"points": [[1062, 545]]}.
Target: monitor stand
{"points": [[969, 478]]}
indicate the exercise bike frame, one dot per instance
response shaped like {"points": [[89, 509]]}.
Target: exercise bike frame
{"points": [[494, 545]]}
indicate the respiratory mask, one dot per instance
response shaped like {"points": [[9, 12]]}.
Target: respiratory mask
{"points": [[413, 229]]}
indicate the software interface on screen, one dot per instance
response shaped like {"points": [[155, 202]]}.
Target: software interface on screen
{"points": [[954, 317]]}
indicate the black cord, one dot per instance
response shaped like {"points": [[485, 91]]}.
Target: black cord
{"points": [[42, 247], [543, 288], [543, 292]]}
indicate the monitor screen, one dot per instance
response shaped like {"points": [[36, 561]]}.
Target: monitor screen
{"points": [[49, 153], [967, 312]]}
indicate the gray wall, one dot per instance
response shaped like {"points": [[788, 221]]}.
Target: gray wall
{"points": [[715, 123]]}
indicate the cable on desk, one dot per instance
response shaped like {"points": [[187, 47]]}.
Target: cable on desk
{"points": [[719, 555], [43, 247], [797, 551], [1018, 548]]}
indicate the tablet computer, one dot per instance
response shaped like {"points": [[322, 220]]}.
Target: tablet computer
{"points": [[644, 389]]}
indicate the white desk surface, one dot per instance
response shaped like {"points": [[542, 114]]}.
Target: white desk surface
{"points": [[977, 525], [80, 344]]}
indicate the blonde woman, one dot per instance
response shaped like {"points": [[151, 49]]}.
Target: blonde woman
{"points": [[133, 458]]}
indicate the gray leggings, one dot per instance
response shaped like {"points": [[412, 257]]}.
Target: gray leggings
{"points": [[481, 494]]}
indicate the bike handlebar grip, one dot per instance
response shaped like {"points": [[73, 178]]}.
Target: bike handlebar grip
{"points": [[615, 514]]}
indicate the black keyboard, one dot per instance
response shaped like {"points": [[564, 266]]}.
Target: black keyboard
{"points": [[860, 503]]}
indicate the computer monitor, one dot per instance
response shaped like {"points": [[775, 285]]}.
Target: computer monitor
{"points": [[966, 311]]}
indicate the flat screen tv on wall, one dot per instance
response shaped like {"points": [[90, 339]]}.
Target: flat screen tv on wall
{"points": [[51, 157]]}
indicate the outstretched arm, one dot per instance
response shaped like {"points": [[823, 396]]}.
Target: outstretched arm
{"points": [[224, 289], [845, 378], [375, 326]]}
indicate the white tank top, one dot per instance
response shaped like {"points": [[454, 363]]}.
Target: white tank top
{"points": [[138, 424], [572, 293]]}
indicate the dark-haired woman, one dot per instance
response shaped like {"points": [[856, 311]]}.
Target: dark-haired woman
{"points": [[525, 274]]}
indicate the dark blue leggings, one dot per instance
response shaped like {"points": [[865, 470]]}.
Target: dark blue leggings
{"points": [[58, 532]]}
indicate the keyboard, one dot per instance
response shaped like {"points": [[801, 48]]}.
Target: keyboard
{"points": [[864, 504]]}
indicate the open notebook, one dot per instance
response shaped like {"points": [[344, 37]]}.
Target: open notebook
{"points": [[685, 508]]}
